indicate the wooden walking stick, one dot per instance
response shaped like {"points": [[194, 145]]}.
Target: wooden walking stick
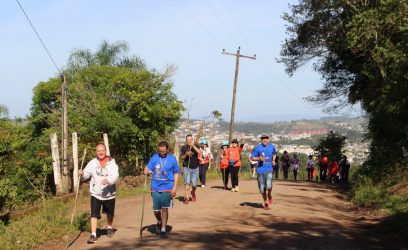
{"points": [[76, 197], [143, 206]]}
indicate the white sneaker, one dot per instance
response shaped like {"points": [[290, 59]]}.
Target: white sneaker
{"points": [[202, 186]]}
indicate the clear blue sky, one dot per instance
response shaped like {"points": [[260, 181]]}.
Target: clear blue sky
{"points": [[163, 32]]}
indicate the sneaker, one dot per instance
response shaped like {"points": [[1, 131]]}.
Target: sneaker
{"points": [[266, 206], [163, 235], [158, 228], [186, 200], [92, 239], [193, 197], [202, 186], [270, 201], [109, 232], [236, 189], [232, 189]]}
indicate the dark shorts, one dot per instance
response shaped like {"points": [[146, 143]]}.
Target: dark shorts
{"points": [[254, 165], [108, 207], [161, 200]]}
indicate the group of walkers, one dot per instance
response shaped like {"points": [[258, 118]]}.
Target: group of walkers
{"points": [[262, 161], [330, 171], [286, 163], [164, 170], [327, 170]]}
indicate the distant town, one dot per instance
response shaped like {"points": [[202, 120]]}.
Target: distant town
{"points": [[294, 136]]}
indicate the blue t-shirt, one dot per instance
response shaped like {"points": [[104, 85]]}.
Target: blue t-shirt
{"points": [[269, 151], [163, 170]]}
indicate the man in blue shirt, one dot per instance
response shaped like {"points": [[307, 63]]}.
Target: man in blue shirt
{"points": [[265, 154], [164, 169]]}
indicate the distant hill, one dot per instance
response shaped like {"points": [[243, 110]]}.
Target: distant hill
{"points": [[352, 128]]}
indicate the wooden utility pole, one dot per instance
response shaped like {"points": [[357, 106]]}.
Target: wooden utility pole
{"points": [[64, 137], [106, 142], [234, 93], [56, 163]]}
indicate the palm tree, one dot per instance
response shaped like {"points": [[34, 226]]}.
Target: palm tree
{"points": [[113, 54]]}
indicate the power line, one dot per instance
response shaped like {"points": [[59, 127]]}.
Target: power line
{"points": [[237, 26], [265, 68], [260, 61], [222, 23], [202, 25], [38, 36], [244, 38]]}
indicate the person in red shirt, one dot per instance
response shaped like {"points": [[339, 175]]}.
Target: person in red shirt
{"points": [[234, 163], [223, 163], [333, 171], [323, 166]]}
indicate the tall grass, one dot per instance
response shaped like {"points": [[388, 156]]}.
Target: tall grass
{"points": [[366, 194]]}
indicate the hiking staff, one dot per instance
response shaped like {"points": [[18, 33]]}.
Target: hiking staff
{"points": [[243, 142], [190, 168], [143, 206], [76, 197]]}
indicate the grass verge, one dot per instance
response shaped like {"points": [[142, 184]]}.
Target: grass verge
{"points": [[51, 223], [48, 223], [366, 194]]}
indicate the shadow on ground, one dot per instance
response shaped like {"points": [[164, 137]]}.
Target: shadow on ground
{"points": [[281, 235], [251, 204]]}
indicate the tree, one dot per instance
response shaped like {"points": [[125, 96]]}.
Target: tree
{"points": [[18, 148], [331, 146], [3, 111], [362, 59], [135, 106]]}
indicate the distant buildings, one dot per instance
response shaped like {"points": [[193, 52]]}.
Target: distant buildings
{"points": [[356, 152]]}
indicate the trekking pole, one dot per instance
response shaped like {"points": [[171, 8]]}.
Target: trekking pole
{"points": [[225, 180], [76, 197], [143, 206]]}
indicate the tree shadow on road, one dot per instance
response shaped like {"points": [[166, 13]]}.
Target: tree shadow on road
{"points": [[268, 235]]}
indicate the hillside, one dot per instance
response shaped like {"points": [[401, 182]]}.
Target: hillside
{"points": [[293, 136]]}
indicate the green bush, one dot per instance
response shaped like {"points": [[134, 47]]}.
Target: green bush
{"points": [[397, 204], [366, 194]]}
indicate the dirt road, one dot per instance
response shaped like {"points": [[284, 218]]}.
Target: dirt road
{"points": [[304, 216]]}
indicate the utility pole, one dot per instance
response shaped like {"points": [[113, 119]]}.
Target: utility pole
{"points": [[234, 93], [64, 136]]}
